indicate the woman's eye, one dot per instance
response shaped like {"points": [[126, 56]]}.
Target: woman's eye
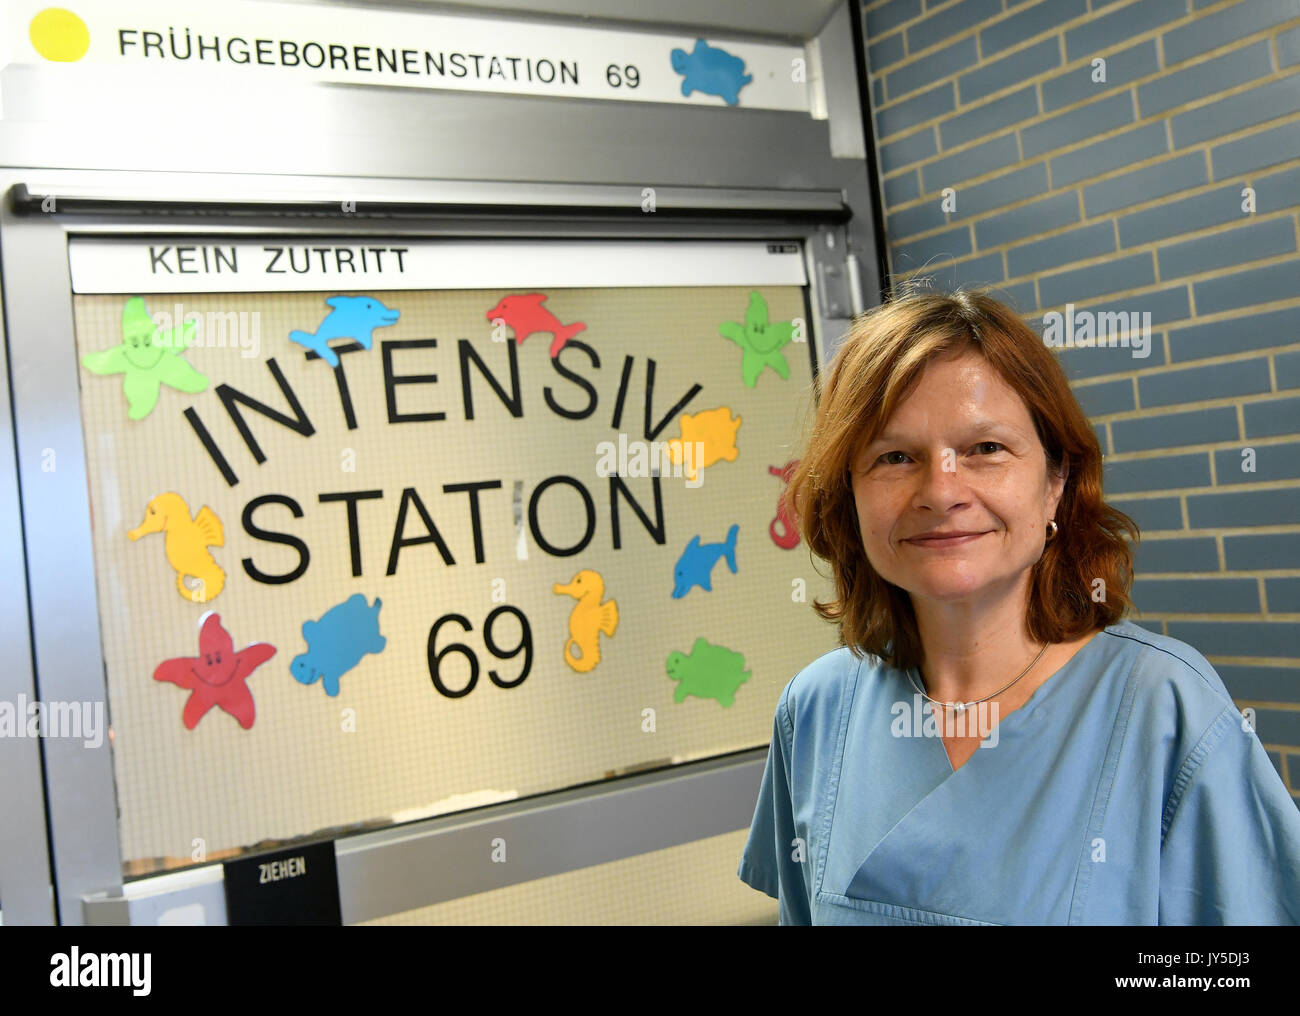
{"points": [[887, 455], [984, 444]]}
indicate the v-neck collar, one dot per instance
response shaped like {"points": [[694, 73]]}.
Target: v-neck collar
{"points": [[1041, 694]]}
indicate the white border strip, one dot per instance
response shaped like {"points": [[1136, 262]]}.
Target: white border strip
{"points": [[213, 265]]}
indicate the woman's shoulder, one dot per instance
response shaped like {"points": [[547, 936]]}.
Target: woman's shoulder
{"points": [[1162, 663], [1175, 696], [818, 691]]}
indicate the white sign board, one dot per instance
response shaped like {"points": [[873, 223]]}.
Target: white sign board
{"points": [[247, 43]]}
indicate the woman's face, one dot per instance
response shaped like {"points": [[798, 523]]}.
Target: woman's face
{"points": [[959, 454]]}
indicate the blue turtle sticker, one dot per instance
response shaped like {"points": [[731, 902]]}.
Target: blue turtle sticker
{"points": [[711, 70], [335, 644]]}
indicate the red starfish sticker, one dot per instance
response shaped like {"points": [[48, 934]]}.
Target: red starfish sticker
{"points": [[216, 676]]}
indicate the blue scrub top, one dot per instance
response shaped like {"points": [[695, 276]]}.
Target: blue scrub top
{"points": [[1128, 789]]}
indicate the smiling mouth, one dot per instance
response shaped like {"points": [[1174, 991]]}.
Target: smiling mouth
{"points": [[951, 541]]}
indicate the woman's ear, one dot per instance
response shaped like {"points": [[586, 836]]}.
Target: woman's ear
{"points": [[1057, 480]]}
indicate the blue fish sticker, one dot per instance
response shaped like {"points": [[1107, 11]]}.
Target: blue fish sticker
{"points": [[353, 317], [695, 565]]}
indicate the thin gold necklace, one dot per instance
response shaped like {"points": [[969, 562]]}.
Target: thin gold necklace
{"points": [[961, 707]]}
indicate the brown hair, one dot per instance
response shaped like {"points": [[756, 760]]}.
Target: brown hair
{"points": [[878, 365]]}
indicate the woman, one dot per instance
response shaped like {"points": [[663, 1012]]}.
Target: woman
{"points": [[1085, 770]]}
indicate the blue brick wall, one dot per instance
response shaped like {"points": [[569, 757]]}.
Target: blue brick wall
{"points": [[1134, 156]]}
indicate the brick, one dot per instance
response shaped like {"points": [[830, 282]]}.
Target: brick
{"points": [[1077, 124], [1256, 151], [1105, 398], [887, 17], [1081, 364], [878, 92], [917, 109], [1176, 430], [1228, 248], [1177, 555], [933, 67], [1032, 21], [1214, 30], [1283, 595], [1152, 514], [1010, 70], [1277, 726], [950, 21], [1239, 333], [1227, 116], [904, 187], [912, 148], [1244, 508], [1177, 88], [1164, 305], [1098, 34], [1190, 596], [1239, 638], [1122, 69], [976, 161], [1249, 552], [1182, 216], [1019, 297], [1035, 217], [1286, 367], [1084, 283], [1103, 442], [1007, 189], [1182, 172], [1132, 146], [1278, 192], [1288, 47], [1261, 684], [954, 243], [1242, 289], [946, 276], [988, 119], [1054, 251], [910, 221], [1273, 418], [1192, 384], [1272, 463], [885, 53], [1168, 472]]}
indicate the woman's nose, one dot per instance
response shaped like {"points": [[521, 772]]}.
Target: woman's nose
{"points": [[940, 483]]}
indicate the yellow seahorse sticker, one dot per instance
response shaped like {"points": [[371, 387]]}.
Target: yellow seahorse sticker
{"points": [[590, 617], [186, 544]]}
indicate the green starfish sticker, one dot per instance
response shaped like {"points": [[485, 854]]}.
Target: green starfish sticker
{"points": [[149, 357], [759, 340]]}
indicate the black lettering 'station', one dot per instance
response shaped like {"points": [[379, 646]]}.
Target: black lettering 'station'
{"points": [[412, 513]]}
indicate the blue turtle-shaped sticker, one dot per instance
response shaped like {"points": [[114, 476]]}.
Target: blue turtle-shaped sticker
{"points": [[335, 644], [711, 70]]}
